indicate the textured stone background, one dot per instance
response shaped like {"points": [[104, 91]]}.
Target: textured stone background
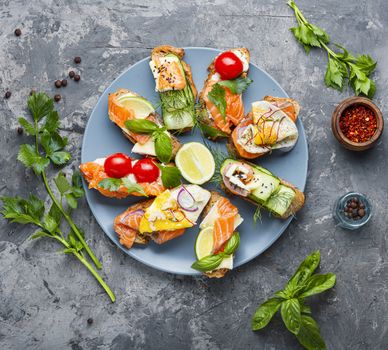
{"points": [[46, 298]]}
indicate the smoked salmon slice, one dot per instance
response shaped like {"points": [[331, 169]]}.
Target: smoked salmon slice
{"points": [[119, 114], [164, 236], [235, 135], [224, 224], [94, 173]]}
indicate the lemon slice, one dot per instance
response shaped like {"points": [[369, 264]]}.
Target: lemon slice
{"points": [[195, 162], [204, 242], [139, 105]]}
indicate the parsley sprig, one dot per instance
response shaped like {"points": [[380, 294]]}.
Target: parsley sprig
{"points": [[342, 65], [295, 313], [48, 148]]}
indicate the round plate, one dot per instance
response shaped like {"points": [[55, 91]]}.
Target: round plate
{"points": [[103, 138]]}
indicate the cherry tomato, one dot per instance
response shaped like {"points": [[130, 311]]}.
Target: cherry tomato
{"points": [[145, 170], [228, 65], [118, 165]]}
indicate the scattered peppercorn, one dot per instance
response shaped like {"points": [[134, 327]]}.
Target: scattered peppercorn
{"points": [[358, 123], [8, 94], [58, 84], [32, 92], [20, 130], [77, 60], [64, 82], [90, 320], [71, 74], [77, 77], [18, 32], [57, 97], [354, 209]]}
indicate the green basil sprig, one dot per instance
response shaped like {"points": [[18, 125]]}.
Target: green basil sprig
{"points": [[112, 184], [163, 142], [290, 301], [171, 175], [211, 262]]}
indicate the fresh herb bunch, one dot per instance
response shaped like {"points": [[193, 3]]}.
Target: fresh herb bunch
{"points": [[212, 261], [341, 65], [48, 148], [217, 94], [295, 313], [163, 142]]}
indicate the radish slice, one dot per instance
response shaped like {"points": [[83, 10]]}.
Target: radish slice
{"points": [[186, 200]]}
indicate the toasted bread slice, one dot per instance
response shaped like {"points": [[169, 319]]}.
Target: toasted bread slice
{"points": [[204, 116]]}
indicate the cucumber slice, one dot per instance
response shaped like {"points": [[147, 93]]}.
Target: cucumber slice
{"points": [[280, 201], [267, 184]]}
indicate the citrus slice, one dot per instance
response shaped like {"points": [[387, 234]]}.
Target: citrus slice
{"points": [[195, 162], [139, 105], [204, 242]]}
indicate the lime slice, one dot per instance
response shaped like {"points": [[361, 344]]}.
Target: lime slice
{"points": [[139, 105], [195, 162], [204, 242]]}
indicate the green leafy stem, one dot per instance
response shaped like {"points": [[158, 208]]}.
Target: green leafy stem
{"points": [[342, 65], [296, 315]]}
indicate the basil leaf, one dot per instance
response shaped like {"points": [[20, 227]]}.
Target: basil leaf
{"points": [[236, 86], [304, 271], [304, 309], [141, 126], [133, 187], [110, 184], [232, 244], [217, 97], [309, 335], [211, 132], [163, 147], [317, 284], [208, 263], [171, 175], [291, 315], [265, 312]]}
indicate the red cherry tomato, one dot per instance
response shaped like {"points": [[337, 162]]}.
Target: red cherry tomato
{"points": [[145, 170], [118, 165], [228, 65]]}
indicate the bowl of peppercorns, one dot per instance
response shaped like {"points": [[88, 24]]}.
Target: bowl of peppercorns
{"points": [[357, 123], [352, 210]]}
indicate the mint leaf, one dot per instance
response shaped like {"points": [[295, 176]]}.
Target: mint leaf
{"points": [[110, 184], [309, 335], [133, 187], [30, 158], [27, 126], [40, 105], [317, 284], [265, 312], [217, 97], [291, 315], [236, 86], [171, 175], [163, 147], [208, 263]]}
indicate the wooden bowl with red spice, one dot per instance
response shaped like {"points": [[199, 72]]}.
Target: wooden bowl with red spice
{"points": [[357, 123]]}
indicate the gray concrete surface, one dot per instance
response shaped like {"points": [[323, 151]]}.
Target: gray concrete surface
{"points": [[46, 298]]}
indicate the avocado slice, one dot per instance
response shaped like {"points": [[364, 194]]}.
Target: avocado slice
{"points": [[281, 200], [178, 105]]}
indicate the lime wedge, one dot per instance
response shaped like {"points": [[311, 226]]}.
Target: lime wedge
{"points": [[139, 105], [195, 162], [204, 242]]}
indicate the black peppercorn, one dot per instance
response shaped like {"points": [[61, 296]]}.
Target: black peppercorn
{"points": [[77, 60], [20, 130], [8, 94], [58, 84], [90, 320], [64, 82], [18, 32], [77, 77], [57, 97], [71, 74]]}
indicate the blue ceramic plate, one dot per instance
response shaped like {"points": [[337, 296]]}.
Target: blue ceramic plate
{"points": [[103, 138]]}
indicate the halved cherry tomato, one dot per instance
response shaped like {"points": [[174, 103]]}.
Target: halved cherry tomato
{"points": [[228, 65], [118, 165], [145, 170]]}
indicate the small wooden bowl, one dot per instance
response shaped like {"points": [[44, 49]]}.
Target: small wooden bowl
{"points": [[342, 139]]}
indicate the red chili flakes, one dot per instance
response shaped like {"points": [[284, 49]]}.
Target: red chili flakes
{"points": [[358, 123]]}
